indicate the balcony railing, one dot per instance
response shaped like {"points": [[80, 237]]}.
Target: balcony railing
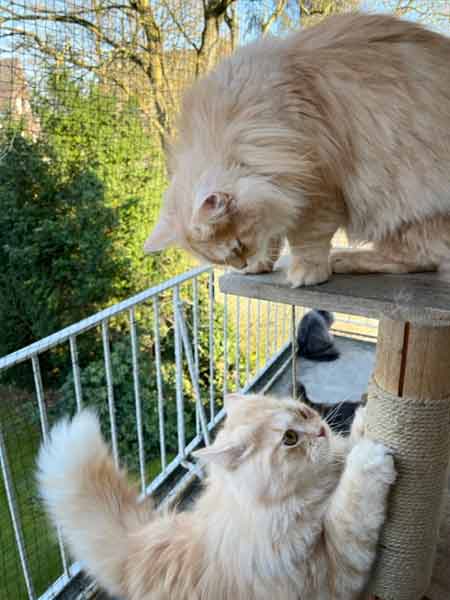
{"points": [[183, 345]]}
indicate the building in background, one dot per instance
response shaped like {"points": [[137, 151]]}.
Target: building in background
{"points": [[15, 96]]}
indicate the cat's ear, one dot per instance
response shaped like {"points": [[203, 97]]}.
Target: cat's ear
{"points": [[228, 455], [162, 236], [214, 208]]}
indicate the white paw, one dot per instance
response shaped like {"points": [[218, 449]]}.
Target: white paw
{"points": [[373, 458], [358, 426], [301, 274], [259, 266]]}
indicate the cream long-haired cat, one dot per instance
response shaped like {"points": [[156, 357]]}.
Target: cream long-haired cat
{"points": [[344, 125], [289, 511]]}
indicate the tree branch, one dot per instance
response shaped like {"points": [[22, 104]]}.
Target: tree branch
{"points": [[216, 8], [180, 28], [277, 12]]}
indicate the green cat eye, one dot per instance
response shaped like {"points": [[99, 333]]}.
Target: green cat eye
{"points": [[290, 437]]}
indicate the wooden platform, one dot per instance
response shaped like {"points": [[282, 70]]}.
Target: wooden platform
{"points": [[364, 295]]}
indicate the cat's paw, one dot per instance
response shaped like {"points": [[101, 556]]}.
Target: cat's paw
{"points": [[301, 274], [374, 459], [259, 266], [358, 429]]}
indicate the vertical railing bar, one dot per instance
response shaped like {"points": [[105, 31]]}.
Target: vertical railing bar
{"points": [[159, 387], [40, 396], [275, 327], [110, 390], [196, 343], [137, 396], [15, 517], [181, 322], [247, 348], [267, 330], [238, 339], [294, 353], [284, 333], [211, 346], [45, 430], [76, 371], [258, 334], [225, 345], [179, 377]]}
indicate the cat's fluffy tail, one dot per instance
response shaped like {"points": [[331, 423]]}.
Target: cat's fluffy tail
{"points": [[89, 498]]}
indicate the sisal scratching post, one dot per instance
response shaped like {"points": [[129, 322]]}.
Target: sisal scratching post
{"points": [[409, 410]]}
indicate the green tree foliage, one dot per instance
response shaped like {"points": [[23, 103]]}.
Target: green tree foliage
{"points": [[76, 206], [56, 247]]}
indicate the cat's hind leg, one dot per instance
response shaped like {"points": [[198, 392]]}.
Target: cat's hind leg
{"points": [[350, 260], [355, 516], [414, 248]]}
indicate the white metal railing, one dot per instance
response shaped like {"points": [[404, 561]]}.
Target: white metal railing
{"points": [[261, 334]]}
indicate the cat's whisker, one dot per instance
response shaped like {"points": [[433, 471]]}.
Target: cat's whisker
{"points": [[337, 407], [348, 420], [333, 412]]}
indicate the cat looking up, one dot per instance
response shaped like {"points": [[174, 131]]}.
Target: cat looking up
{"points": [[289, 510]]}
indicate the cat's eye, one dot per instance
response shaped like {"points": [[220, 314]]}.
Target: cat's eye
{"points": [[290, 437]]}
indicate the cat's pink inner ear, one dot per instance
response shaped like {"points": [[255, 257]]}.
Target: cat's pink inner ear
{"points": [[162, 236], [215, 207]]}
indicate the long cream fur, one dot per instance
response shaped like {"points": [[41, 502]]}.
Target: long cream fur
{"points": [[274, 521], [344, 125]]}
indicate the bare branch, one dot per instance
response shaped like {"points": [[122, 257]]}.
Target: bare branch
{"points": [[216, 8], [214, 11], [403, 7], [179, 26], [276, 14]]}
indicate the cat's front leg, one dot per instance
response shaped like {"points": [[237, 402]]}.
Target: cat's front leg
{"points": [[310, 260], [358, 429], [310, 239], [265, 261], [356, 515]]}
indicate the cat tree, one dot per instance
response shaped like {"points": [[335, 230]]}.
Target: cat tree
{"points": [[408, 405]]}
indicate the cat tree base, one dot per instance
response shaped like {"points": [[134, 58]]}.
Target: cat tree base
{"points": [[409, 410], [408, 403]]}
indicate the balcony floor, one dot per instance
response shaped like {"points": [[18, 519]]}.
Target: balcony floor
{"points": [[343, 380]]}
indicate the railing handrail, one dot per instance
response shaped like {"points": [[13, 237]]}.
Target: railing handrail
{"points": [[89, 322]]}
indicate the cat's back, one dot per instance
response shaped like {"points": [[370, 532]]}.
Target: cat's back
{"points": [[352, 33], [371, 43], [360, 30], [373, 50]]}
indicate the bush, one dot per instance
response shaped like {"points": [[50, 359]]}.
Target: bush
{"points": [[56, 251], [77, 204]]}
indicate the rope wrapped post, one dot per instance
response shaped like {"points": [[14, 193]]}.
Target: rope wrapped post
{"points": [[409, 410]]}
